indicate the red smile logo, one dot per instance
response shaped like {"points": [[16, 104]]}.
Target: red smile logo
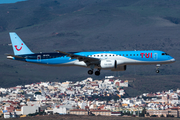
{"points": [[19, 48]]}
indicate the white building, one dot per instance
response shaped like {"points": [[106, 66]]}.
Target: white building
{"points": [[124, 84], [25, 110], [9, 115], [45, 84], [70, 92], [40, 97], [82, 105], [60, 110]]}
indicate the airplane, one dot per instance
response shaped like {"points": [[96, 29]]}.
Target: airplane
{"points": [[109, 60]]}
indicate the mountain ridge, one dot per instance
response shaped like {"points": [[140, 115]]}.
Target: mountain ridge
{"points": [[81, 25]]}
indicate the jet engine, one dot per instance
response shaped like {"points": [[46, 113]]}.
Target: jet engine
{"points": [[105, 64]]}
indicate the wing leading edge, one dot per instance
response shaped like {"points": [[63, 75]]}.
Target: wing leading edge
{"points": [[87, 60]]}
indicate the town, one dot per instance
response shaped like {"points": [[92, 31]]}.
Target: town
{"points": [[105, 97]]}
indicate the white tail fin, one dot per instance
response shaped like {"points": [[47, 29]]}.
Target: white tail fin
{"points": [[19, 47]]}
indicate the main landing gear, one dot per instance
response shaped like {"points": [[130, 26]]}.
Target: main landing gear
{"points": [[90, 72], [157, 68], [97, 73]]}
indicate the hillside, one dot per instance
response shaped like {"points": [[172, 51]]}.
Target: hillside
{"points": [[82, 25]]}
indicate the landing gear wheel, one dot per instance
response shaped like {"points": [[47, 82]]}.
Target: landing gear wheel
{"points": [[157, 71], [157, 68], [90, 72], [97, 73]]}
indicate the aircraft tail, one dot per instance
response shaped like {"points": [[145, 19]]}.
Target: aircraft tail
{"points": [[19, 47]]}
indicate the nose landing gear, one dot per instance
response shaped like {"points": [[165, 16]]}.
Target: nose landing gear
{"points": [[157, 71], [157, 68]]}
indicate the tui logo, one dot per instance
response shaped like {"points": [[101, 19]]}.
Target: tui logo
{"points": [[19, 48], [147, 55]]}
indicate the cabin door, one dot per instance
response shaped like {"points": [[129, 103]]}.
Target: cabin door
{"points": [[39, 58], [155, 56]]}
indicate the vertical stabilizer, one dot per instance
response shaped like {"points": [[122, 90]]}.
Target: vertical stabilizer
{"points": [[19, 47]]}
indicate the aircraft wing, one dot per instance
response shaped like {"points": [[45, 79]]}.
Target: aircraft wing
{"points": [[80, 58]]}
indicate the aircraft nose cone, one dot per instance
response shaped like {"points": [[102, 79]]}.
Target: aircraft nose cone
{"points": [[173, 60]]}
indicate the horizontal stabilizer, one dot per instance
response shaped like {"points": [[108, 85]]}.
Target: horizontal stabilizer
{"points": [[11, 56]]}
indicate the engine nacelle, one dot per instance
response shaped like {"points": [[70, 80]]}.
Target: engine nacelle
{"points": [[108, 64], [119, 68]]}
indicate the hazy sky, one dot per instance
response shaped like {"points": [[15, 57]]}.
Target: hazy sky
{"points": [[10, 1]]}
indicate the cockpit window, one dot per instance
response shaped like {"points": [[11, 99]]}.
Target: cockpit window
{"points": [[165, 54]]}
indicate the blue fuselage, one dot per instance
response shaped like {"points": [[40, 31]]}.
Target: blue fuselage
{"points": [[122, 58]]}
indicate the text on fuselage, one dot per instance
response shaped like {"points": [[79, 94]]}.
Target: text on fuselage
{"points": [[147, 55]]}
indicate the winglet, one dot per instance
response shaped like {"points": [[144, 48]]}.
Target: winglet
{"points": [[63, 53]]}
